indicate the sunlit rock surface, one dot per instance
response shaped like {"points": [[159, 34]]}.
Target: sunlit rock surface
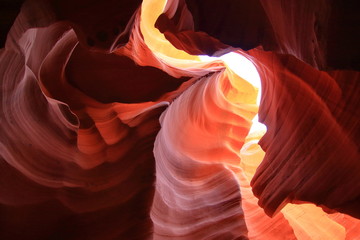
{"points": [[116, 125]]}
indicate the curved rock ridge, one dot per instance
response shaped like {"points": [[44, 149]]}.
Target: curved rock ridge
{"points": [[197, 196], [317, 113], [73, 154], [126, 120], [288, 83]]}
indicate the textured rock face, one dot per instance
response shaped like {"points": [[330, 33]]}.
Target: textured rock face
{"points": [[112, 126]]}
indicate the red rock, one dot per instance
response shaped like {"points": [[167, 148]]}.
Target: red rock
{"points": [[112, 130]]}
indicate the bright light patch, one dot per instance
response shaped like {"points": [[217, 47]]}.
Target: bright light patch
{"points": [[245, 69], [257, 126]]}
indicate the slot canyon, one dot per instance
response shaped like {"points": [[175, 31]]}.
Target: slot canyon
{"points": [[180, 119]]}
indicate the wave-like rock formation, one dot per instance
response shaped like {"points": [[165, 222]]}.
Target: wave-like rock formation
{"points": [[116, 125]]}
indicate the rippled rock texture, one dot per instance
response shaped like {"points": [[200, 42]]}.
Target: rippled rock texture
{"points": [[115, 126]]}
